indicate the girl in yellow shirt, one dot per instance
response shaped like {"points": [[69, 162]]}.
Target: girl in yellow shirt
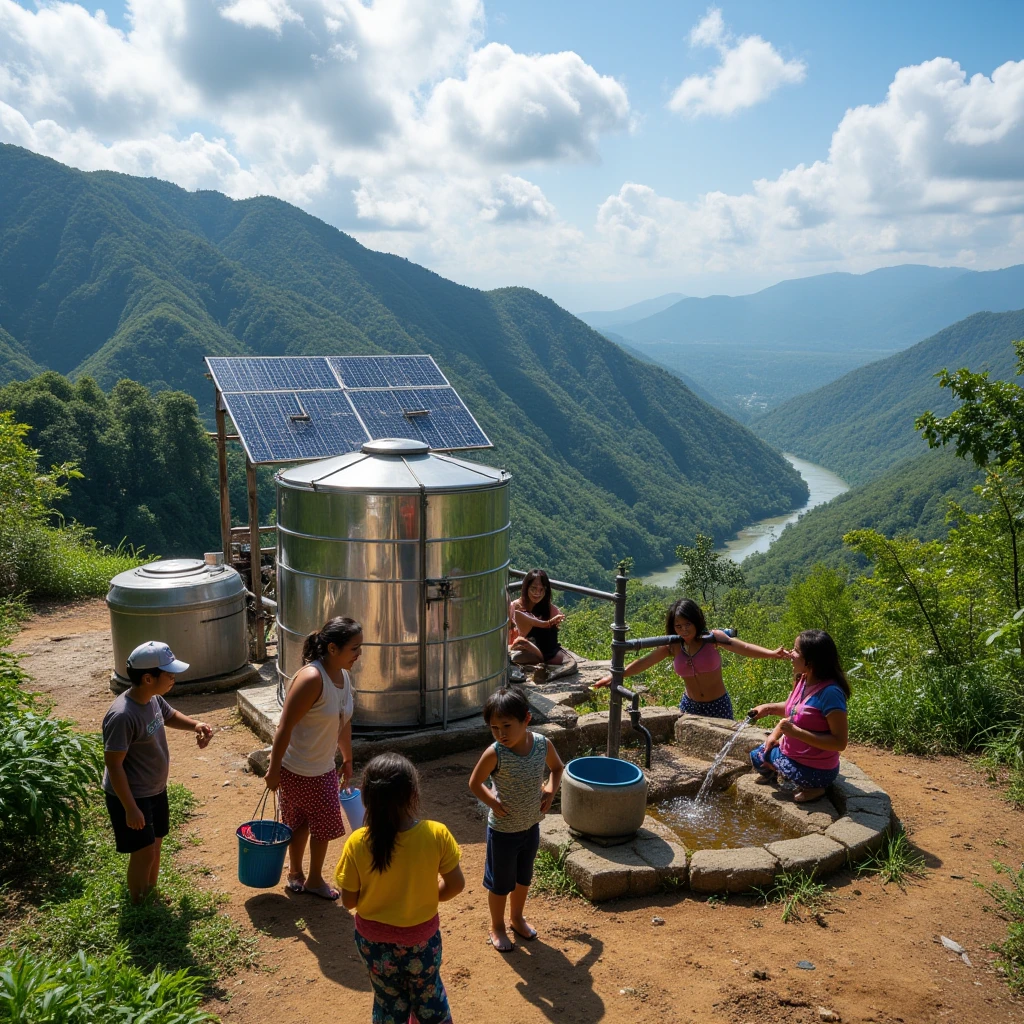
{"points": [[389, 875]]}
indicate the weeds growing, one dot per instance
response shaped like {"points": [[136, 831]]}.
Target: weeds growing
{"points": [[550, 876], [895, 861], [1011, 902], [794, 890]]}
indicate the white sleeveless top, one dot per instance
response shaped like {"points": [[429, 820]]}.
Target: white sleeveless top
{"points": [[315, 736]]}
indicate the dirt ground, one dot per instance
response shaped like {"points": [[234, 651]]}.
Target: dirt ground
{"points": [[877, 954]]}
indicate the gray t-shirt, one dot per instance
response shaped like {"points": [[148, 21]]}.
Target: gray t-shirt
{"points": [[518, 779], [138, 729]]}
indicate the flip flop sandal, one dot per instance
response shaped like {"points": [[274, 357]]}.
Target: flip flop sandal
{"points": [[524, 935], [295, 883], [511, 945], [325, 893]]}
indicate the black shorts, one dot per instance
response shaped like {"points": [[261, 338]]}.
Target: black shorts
{"points": [[510, 857], [158, 822]]}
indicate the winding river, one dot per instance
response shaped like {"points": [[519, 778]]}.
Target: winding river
{"points": [[823, 485]]}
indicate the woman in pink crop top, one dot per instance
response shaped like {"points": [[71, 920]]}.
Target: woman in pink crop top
{"points": [[697, 661], [803, 749]]}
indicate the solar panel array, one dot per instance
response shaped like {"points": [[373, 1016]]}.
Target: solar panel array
{"points": [[297, 408]]}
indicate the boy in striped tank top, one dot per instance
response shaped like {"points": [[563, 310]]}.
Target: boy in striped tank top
{"points": [[509, 779]]}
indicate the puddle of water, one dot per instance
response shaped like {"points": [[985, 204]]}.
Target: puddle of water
{"points": [[721, 822]]}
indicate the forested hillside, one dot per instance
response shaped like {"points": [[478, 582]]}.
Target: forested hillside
{"points": [[910, 498], [863, 423], [108, 276]]}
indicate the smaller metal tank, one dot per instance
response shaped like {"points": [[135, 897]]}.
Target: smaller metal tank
{"points": [[198, 610]]}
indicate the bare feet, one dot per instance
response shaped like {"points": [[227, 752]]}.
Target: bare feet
{"points": [[805, 796], [499, 940], [524, 929]]}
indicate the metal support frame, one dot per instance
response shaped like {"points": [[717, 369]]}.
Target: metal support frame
{"points": [[222, 472], [256, 561]]}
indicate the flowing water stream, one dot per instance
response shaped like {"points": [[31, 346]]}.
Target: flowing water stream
{"points": [[705, 786], [823, 485]]}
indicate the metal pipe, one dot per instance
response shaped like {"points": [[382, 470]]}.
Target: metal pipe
{"points": [[643, 643], [634, 718], [619, 629], [268, 602], [222, 476], [424, 605], [572, 588], [446, 589]]}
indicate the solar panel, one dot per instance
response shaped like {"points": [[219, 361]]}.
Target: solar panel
{"points": [[296, 408], [436, 416], [271, 373], [285, 426], [388, 371]]}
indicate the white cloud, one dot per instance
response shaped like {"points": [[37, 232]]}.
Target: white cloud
{"points": [[751, 69], [933, 173], [268, 14], [514, 108]]}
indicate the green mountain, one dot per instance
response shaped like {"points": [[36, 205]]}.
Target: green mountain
{"points": [[863, 423], [110, 276], [756, 351], [912, 497]]}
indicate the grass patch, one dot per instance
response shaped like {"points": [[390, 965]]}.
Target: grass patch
{"points": [[550, 877], [1011, 903], [794, 890], [84, 990], [86, 908], [896, 861]]}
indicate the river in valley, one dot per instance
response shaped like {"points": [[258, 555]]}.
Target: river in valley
{"points": [[823, 484]]}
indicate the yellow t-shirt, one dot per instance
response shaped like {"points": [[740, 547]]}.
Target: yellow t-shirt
{"points": [[406, 894]]}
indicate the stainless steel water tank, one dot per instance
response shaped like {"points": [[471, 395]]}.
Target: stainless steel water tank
{"points": [[198, 610], [406, 541]]}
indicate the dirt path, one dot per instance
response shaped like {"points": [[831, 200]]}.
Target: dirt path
{"points": [[877, 959]]}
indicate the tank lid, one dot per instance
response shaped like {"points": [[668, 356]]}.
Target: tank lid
{"points": [[396, 446], [174, 567]]}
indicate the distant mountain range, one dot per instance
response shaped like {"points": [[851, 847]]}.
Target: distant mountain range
{"points": [[862, 424], [612, 318], [111, 276], [755, 351]]}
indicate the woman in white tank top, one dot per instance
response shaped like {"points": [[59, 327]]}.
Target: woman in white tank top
{"points": [[316, 722]]}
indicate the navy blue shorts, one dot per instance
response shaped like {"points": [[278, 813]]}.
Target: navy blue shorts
{"points": [[158, 822], [800, 775], [720, 707], [510, 857]]}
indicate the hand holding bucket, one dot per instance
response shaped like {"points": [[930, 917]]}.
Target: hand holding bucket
{"points": [[352, 807]]}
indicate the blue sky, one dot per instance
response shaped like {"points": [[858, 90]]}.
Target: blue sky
{"points": [[538, 144]]}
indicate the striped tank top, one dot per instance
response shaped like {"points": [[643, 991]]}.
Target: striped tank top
{"points": [[518, 780]]}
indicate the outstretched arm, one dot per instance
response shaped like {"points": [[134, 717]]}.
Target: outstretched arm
{"points": [[640, 665], [732, 643]]}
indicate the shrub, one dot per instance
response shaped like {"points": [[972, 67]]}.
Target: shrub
{"points": [[46, 771], [82, 990]]}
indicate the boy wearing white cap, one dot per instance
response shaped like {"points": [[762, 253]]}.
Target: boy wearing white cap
{"points": [[138, 762]]}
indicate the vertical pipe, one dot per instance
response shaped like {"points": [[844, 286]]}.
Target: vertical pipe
{"points": [[424, 606], [222, 470], [618, 664], [255, 575], [446, 583]]}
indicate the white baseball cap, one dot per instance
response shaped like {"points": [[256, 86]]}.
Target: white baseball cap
{"points": [[155, 655]]}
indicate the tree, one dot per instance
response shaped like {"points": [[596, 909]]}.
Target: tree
{"points": [[706, 571], [823, 601]]}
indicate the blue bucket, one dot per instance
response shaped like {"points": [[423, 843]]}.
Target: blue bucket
{"points": [[352, 806], [260, 863], [603, 771]]}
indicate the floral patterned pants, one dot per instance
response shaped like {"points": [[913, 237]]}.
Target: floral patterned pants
{"points": [[406, 981]]}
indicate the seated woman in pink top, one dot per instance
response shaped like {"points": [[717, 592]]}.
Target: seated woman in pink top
{"points": [[803, 749], [696, 659]]}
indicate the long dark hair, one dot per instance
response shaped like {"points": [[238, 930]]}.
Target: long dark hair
{"points": [[390, 788], [684, 608], [339, 632], [819, 651], [542, 609]]}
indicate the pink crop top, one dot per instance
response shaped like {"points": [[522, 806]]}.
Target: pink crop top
{"points": [[707, 659]]}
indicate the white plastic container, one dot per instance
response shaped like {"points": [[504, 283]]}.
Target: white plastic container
{"points": [[352, 808]]}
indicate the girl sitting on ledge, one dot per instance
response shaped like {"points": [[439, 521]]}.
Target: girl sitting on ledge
{"points": [[696, 659], [535, 621], [803, 749]]}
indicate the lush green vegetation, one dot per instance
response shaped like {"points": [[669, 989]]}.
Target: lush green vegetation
{"points": [[911, 498], [862, 424], [38, 556], [1010, 900], [113, 277]]}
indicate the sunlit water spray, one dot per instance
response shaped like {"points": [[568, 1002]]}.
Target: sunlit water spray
{"points": [[705, 786]]}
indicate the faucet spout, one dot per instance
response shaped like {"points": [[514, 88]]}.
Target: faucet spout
{"points": [[638, 726]]}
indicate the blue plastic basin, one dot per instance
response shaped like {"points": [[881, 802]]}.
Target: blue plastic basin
{"points": [[603, 771]]}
